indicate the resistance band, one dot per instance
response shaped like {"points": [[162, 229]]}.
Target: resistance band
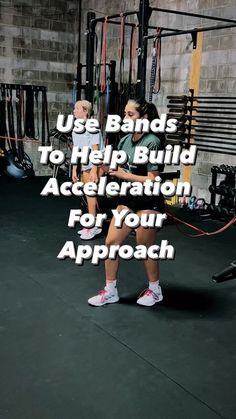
{"points": [[19, 125], [201, 232], [45, 103], [133, 56], [11, 128], [103, 54], [29, 114], [108, 95], [98, 54], [155, 77], [3, 130], [36, 94], [121, 51]]}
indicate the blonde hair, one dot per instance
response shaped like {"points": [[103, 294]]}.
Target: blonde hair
{"points": [[86, 105], [133, 103]]}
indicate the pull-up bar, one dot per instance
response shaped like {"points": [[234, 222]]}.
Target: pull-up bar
{"points": [[194, 30], [157, 9], [102, 19], [164, 29], [177, 12]]}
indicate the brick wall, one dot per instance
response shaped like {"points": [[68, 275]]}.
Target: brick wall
{"points": [[38, 45]]}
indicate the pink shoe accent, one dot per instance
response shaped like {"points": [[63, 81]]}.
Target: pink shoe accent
{"points": [[147, 292], [149, 298], [103, 295]]}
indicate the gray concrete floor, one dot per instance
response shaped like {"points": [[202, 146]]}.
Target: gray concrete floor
{"points": [[61, 358]]}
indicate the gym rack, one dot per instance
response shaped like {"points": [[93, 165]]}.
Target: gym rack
{"points": [[143, 14]]}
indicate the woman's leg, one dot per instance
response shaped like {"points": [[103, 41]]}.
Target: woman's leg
{"points": [[147, 237], [91, 201], [109, 294], [115, 236]]}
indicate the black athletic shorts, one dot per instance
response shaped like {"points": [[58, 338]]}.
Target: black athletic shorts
{"points": [[138, 203]]}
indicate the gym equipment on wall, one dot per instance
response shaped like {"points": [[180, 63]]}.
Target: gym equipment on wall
{"points": [[209, 121], [179, 110], [19, 107], [143, 15]]}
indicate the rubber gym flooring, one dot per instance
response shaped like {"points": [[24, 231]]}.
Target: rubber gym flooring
{"points": [[61, 358]]}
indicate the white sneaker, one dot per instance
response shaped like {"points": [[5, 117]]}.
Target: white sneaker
{"points": [[104, 297], [90, 233], [149, 297]]}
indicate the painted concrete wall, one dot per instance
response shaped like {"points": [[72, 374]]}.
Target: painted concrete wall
{"points": [[39, 39]]}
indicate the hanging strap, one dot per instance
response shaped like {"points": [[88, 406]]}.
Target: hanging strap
{"points": [[23, 110], [45, 121], [29, 113], [157, 85], [103, 60], [155, 80], [97, 79], [11, 128], [121, 51], [19, 115], [74, 93], [122, 36], [36, 97], [108, 95], [133, 56], [6, 120], [97, 74], [3, 128]]}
